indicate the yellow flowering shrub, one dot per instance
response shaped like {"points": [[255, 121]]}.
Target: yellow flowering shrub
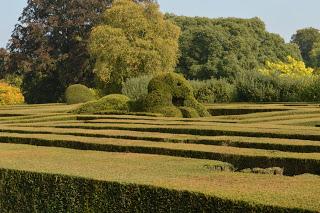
{"points": [[10, 95], [291, 67]]}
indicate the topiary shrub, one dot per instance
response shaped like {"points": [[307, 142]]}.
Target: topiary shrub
{"points": [[168, 92], [79, 93], [189, 112], [114, 102], [10, 95]]}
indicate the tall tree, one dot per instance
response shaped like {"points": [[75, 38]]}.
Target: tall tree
{"points": [[224, 47], [4, 56], [49, 45], [305, 39], [133, 39]]}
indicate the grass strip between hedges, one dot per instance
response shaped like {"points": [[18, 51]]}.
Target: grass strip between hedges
{"points": [[293, 163], [168, 172], [205, 131], [286, 145]]}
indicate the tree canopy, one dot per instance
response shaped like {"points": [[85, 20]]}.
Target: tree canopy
{"points": [[224, 47], [133, 39], [308, 40], [4, 55], [49, 46]]}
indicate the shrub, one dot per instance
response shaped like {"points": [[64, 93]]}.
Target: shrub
{"points": [[312, 90], [171, 91], [114, 102], [255, 87], [10, 95], [79, 93], [168, 111], [136, 88], [189, 112], [293, 89], [213, 91], [14, 80]]}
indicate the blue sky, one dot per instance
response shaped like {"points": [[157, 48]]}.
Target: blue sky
{"points": [[281, 16]]}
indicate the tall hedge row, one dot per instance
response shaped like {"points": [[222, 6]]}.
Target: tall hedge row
{"points": [[36, 192]]}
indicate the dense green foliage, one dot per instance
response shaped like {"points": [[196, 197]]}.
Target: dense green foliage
{"points": [[4, 55], [114, 102], [108, 44], [132, 40], [79, 93], [213, 91], [256, 87], [168, 92], [28, 192], [225, 47], [308, 40], [136, 88], [49, 46]]}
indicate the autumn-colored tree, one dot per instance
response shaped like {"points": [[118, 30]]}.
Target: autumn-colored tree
{"points": [[133, 39], [10, 95], [291, 67]]}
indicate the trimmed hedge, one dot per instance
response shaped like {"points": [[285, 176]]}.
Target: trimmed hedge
{"points": [[167, 92], [22, 191], [292, 166], [189, 112], [114, 102], [202, 132], [240, 111], [78, 93], [216, 142]]}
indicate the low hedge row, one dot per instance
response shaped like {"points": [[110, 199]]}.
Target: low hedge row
{"points": [[239, 111], [22, 191], [218, 142], [292, 166], [202, 132]]}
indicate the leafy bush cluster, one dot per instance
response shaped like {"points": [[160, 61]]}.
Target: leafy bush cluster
{"points": [[78, 93], [10, 95], [213, 91], [260, 88], [137, 88], [287, 81]]}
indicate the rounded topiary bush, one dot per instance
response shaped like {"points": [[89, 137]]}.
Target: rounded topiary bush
{"points": [[169, 92], [114, 102], [79, 93], [10, 95], [189, 112]]}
